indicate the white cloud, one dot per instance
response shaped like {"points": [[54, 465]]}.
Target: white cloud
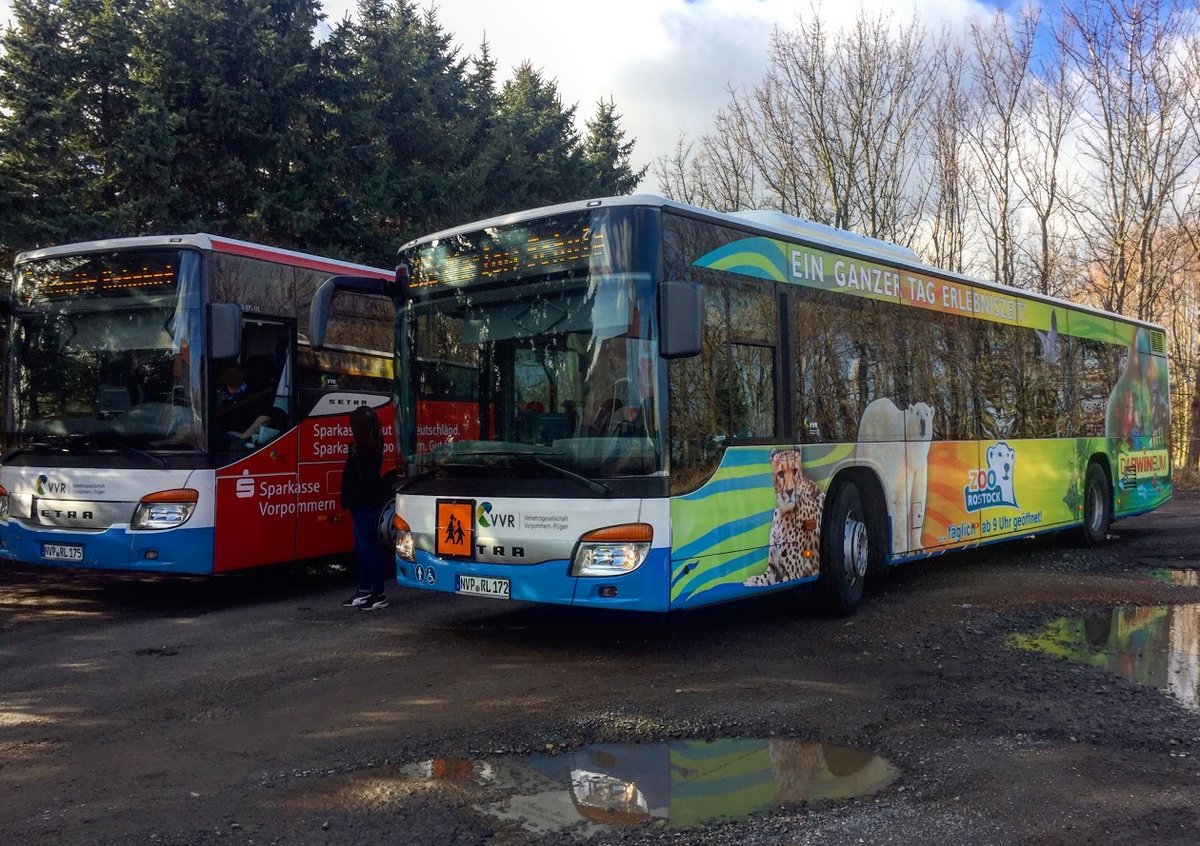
{"points": [[668, 64]]}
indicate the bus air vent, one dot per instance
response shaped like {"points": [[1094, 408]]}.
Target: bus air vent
{"points": [[1158, 343]]}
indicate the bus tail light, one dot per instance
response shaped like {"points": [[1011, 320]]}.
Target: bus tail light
{"points": [[3, 503], [165, 509], [404, 539], [612, 551]]}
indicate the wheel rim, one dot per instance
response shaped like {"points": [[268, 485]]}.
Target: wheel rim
{"points": [[385, 530], [1095, 508], [854, 548]]}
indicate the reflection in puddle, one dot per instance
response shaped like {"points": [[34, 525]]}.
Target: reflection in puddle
{"points": [[684, 782], [1157, 646], [1183, 578]]}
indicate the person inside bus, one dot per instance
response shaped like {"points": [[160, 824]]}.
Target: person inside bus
{"points": [[362, 492], [263, 429], [233, 382], [606, 416], [239, 412]]}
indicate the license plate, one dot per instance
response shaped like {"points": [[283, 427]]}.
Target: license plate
{"points": [[62, 551], [482, 586]]}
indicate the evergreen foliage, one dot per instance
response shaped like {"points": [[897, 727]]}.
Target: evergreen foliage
{"points": [[128, 117]]}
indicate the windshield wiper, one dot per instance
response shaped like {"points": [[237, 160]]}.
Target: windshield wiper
{"points": [[598, 487], [111, 442], [401, 484], [482, 457], [134, 450], [28, 447]]}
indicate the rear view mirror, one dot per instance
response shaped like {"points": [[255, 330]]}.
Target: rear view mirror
{"points": [[679, 318], [322, 301], [225, 330]]}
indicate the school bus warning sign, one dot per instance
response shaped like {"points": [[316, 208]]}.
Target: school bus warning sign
{"points": [[455, 528]]}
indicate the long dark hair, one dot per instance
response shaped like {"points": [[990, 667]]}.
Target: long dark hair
{"points": [[364, 424]]}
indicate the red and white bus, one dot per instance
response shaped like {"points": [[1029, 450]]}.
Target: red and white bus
{"points": [[165, 412]]}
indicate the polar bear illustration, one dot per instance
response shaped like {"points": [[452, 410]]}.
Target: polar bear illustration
{"points": [[895, 443], [881, 420], [1000, 460], [918, 428]]}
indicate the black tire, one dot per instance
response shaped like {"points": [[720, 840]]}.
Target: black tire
{"points": [[1097, 506], [849, 543], [385, 529]]}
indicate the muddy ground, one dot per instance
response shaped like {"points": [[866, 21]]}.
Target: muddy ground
{"points": [[257, 710]]}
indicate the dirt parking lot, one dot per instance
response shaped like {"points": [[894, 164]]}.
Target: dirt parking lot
{"points": [[1026, 693]]}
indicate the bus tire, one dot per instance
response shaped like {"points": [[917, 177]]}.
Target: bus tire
{"points": [[849, 542], [385, 527], [1097, 506]]}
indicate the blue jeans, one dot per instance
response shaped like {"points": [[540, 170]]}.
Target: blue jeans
{"points": [[366, 545]]}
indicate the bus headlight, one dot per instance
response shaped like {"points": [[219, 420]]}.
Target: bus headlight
{"points": [[404, 539], [612, 551], [165, 509]]}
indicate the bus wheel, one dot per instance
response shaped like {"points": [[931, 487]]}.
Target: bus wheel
{"points": [[1097, 506], [385, 529], [848, 545]]}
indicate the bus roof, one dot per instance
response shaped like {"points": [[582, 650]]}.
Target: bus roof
{"points": [[785, 227], [216, 243]]}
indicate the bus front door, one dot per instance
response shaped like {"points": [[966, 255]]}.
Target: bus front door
{"points": [[257, 482]]}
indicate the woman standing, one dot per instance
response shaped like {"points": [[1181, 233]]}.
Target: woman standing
{"points": [[361, 494]]}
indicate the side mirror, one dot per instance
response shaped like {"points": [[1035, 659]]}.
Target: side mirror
{"points": [[680, 315], [225, 330], [402, 292], [318, 313]]}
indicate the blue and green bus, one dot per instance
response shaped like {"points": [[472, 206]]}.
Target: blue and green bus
{"points": [[660, 407]]}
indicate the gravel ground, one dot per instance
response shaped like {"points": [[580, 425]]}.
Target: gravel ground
{"points": [[256, 709]]}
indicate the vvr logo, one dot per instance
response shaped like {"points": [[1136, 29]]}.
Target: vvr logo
{"points": [[486, 519], [45, 487], [245, 486]]}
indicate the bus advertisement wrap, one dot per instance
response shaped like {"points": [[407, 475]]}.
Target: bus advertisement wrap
{"points": [[779, 401], [779, 261]]}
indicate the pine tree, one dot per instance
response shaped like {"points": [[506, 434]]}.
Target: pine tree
{"points": [[606, 153], [474, 185], [68, 100], [544, 156], [33, 125], [401, 127], [234, 78]]}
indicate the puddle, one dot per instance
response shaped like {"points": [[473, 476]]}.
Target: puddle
{"points": [[1183, 578], [1157, 646], [682, 782]]}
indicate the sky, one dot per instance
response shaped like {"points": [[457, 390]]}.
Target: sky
{"points": [[668, 64]]}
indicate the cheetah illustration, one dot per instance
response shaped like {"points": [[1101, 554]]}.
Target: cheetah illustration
{"points": [[797, 499]]}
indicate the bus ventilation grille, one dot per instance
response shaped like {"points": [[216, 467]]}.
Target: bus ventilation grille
{"points": [[1158, 343]]}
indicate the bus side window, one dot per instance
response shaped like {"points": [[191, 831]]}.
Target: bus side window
{"points": [[827, 365], [357, 356], [754, 332], [699, 397]]}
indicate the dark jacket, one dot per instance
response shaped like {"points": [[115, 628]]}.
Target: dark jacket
{"points": [[361, 485]]}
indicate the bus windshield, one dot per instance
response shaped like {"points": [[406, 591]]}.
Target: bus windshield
{"points": [[550, 371], [106, 351]]}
